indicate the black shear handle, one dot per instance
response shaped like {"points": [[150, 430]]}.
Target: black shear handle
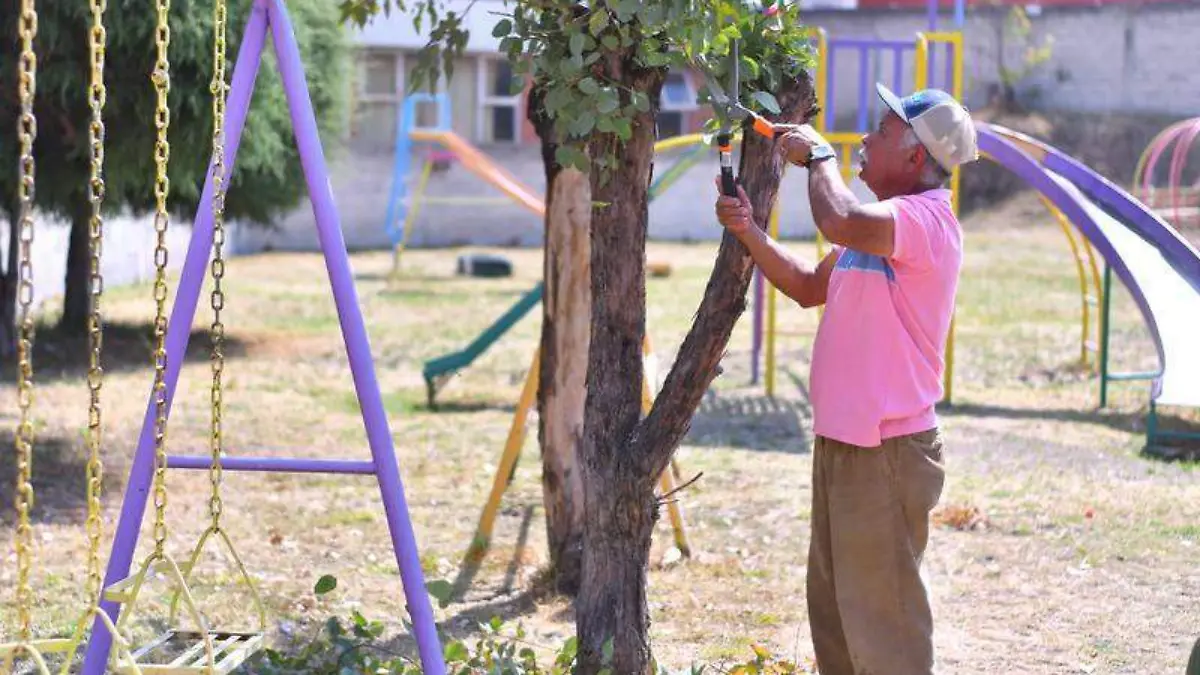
{"points": [[724, 146]]}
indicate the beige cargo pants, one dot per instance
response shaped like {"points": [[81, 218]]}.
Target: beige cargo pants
{"points": [[867, 603]]}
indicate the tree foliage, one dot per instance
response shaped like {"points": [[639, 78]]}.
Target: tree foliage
{"points": [[267, 179], [562, 44]]}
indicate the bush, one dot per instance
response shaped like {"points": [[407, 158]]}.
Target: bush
{"points": [[354, 646]]}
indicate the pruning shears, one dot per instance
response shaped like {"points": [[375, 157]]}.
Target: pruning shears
{"points": [[729, 110]]}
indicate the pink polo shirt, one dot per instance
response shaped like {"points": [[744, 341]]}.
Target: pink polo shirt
{"points": [[877, 360]]}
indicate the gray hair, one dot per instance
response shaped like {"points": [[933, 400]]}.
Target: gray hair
{"points": [[932, 175]]}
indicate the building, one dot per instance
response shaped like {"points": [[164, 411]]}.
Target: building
{"points": [[1130, 57], [484, 109]]}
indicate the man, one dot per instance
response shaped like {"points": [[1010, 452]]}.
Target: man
{"points": [[888, 287]]}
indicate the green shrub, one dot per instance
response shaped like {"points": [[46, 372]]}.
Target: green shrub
{"points": [[356, 646]]}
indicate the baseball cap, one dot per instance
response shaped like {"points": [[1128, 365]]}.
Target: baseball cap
{"points": [[941, 123]]}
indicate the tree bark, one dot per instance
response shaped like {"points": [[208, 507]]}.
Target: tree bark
{"points": [[622, 458], [75, 290], [619, 501], [566, 323]]}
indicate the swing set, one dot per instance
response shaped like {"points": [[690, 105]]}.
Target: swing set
{"points": [[198, 648]]}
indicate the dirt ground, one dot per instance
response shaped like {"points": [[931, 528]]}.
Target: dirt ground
{"points": [[1061, 546]]}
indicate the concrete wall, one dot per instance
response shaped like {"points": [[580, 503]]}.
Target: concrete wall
{"points": [[128, 256], [361, 184], [1112, 59]]}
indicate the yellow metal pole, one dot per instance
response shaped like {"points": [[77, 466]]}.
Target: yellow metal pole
{"points": [[1077, 254], [410, 216], [921, 62], [512, 450], [667, 479], [822, 82], [1098, 296]]}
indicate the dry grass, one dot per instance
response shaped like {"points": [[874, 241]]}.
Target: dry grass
{"points": [[1060, 548]]}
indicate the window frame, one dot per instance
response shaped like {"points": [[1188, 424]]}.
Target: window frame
{"points": [[485, 101]]}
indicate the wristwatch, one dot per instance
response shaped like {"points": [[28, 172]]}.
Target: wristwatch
{"points": [[819, 153]]}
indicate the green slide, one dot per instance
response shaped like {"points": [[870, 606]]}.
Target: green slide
{"points": [[437, 371]]}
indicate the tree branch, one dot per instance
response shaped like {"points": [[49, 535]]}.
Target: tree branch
{"points": [[698, 362]]}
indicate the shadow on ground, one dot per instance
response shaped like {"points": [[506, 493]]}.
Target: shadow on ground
{"points": [[751, 421], [59, 478], [60, 356], [1127, 421]]}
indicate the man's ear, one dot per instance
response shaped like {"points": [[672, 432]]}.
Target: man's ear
{"points": [[919, 157]]}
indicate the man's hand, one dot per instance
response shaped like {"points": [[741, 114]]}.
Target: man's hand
{"points": [[797, 144], [734, 213]]}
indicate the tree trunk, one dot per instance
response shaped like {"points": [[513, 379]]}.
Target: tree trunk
{"points": [[75, 292], [619, 500], [566, 319], [621, 458], [8, 294]]}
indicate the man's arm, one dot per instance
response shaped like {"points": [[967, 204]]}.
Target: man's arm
{"points": [[842, 218], [791, 275]]}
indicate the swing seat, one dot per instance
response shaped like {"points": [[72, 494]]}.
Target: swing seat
{"points": [[35, 651], [121, 591], [230, 650]]}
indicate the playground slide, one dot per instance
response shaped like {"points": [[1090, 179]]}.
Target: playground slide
{"points": [[437, 370], [480, 165], [1159, 267]]}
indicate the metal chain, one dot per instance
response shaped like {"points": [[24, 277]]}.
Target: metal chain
{"points": [[95, 468], [162, 152], [27, 130], [218, 261]]}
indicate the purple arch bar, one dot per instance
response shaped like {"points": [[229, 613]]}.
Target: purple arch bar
{"points": [[272, 15], [1016, 160]]}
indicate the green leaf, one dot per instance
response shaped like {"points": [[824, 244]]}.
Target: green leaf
{"points": [[609, 101], [610, 42], [502, 28], [589, 86], [598, 21], [441, 590], [325, 584], [581, 124], [456, 651], [623, 128], [576, 44], [605, 125], [749, 68], [641, 101], [767, 100]]}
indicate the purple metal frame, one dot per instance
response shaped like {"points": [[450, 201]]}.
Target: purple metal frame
{"points": [[756, 346], [272, 15]]}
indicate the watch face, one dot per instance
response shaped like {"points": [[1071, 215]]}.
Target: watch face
{"points": [[822, 152]]}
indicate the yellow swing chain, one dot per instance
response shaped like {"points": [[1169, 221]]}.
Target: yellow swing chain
{"points": [[27, 130], [95, 468], [162, 185], [218, 262]]}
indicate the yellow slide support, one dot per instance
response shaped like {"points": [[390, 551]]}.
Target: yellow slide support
{"points": [[481, 541]]}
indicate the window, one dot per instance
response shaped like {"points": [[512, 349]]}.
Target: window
{"points": [[380, 88], [498, 118], [677, 99]]}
